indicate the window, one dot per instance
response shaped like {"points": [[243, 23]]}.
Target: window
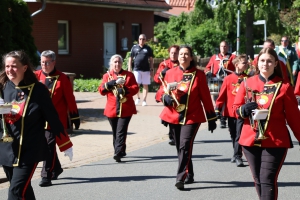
{"points": [[63, 37], [135, 32]]}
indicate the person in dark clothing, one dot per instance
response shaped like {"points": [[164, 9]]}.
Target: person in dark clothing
{"points": [[140, 63], [31, 108]]}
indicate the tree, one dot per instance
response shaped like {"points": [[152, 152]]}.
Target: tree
{"points": [[250, 16], [205, 38], [5, 28], [16, 34]]}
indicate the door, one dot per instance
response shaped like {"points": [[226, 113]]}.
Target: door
{"points": [[109, 42]]}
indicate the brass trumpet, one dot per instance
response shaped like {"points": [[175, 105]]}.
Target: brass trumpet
{"points": [[115, 90], [168, 89], [5, 108]]}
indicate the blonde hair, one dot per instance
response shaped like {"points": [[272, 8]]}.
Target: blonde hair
{"points": [[238, 59]]}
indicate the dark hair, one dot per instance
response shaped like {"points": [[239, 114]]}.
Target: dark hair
{"points": [[237, 59], [29, 76], [273, 53], [224, 42], [192, 63], [173, 46], [270, 41]]}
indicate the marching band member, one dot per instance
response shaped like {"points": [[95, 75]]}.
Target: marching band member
{"points": [[226, 97], [265, 140], [217, 66], [119, 86], [161, 72], [269, 43], [31, 108], [183, 111], [61, 93]]}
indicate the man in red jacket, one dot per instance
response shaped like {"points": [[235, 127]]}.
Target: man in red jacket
{"points": [[63, 99], [219, 66]]}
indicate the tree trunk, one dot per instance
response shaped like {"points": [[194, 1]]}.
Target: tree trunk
{"points": [[249, 31]]}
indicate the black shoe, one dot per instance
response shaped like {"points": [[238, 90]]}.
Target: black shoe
{"points": [[239, 162], [179, 185], [56, 174], [223, 125], [117, 158], [45, 182], [232, 160], [171, 142], [189, 180], [122, 154]]}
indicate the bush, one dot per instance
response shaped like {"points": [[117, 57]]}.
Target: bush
{"points": [[86, 85]]}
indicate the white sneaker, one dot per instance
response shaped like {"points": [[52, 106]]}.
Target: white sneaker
{"points": [[144, 103], [137, 101]]}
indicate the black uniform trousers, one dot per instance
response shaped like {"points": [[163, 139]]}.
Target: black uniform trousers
{"points": [[235, 128], [170, 134], [20, 181], [119, 127], [265, 165], [184, 136], [51, 166]]}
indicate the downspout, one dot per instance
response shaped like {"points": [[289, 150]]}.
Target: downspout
{"points": [[40, 10]]}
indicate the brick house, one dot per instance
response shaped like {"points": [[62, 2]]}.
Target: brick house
{"points": [[86, 33]]}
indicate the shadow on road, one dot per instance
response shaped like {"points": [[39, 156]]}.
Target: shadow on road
{"points": [[111, 179]]}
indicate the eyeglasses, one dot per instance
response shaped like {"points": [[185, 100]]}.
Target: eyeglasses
{"points": [[46, 63], [142, 39]]}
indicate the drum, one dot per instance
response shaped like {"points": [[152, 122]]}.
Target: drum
{"points": [[214, 85]]}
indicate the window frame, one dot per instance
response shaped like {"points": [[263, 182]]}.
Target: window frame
{"points": [[64, 51]]}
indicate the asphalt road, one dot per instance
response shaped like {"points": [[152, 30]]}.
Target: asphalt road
{"points": [[149, 173]]}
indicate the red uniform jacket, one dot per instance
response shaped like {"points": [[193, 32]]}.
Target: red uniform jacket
{"points": [[277, 96], [283, 68], [191, 91], [61, 93], [229, 89], [113, 107], [297, 87], [215, 62], [165, 64]]}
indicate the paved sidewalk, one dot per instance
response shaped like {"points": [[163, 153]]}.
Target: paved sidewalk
{"points": [[93, 141]]}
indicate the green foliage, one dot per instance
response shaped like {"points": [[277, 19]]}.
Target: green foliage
{"points": [[159, 51], [205, 38], [15, 34], [5, 28], [86, 85], [125, 61], [201, 13]]}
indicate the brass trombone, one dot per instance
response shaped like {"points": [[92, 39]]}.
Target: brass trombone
{"points": [[168, 89], [115, 89]]}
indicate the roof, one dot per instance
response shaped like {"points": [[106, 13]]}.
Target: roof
{"points": [[182, 3], [154, 5]]}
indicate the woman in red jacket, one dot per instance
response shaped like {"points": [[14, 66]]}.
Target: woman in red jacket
{"points": [[119, 86], [266, 140], [184, 112]]}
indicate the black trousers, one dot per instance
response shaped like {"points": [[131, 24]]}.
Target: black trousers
{"points": [[235, 126], [170, 134], [265, 165], [51, 165], [119, 127], [184, 136], [20, 181]]}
